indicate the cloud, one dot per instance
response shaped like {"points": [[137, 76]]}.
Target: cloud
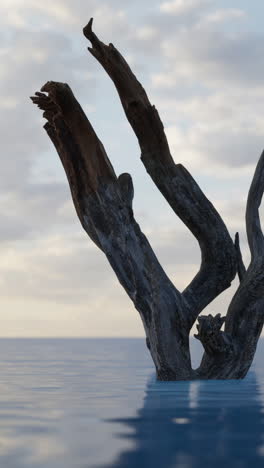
{"points": [[34, 210], [216, 57], [64, 16], [62, 268], [179, 7], [210, 96], [30, 59], [206, 147], [224, 14]]}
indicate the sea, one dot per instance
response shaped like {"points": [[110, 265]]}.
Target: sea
{"points": [[94, 403]]}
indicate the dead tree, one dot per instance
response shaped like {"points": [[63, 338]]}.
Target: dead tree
{"points": [[103, 203]]}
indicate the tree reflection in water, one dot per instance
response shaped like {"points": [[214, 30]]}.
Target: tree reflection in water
{"points": [[197, 425]]}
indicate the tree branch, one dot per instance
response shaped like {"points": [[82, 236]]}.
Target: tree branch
{"points": [[246, 312], [104, 205], [218, 266], [212, 338], [245, 316], [254, 231], [241, 269]]}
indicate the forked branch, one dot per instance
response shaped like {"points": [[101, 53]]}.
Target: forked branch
{"points": [[103, 202]]}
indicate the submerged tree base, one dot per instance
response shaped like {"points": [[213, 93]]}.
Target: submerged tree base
{"points": [[103, 203]]}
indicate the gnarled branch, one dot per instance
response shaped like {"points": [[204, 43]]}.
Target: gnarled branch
{"points": [[104, 205], [245, 316], [218, 266], [250, 292]]}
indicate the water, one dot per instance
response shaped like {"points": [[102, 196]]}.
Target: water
{"points": [[83, 403]]}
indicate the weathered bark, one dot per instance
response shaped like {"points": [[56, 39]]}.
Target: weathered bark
{"points": [[103, 203], [241, 269], [185, 197], [245, 315]]}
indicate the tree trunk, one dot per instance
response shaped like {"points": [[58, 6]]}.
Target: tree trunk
{"points": [[103, 203]]}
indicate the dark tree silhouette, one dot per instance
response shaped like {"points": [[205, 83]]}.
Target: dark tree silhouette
{"points": [[103, 203]]}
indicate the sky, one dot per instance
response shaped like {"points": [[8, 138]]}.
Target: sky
{"points": [[202, 65]]}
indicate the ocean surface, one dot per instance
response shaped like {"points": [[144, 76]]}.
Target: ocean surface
{"points": [[93, 403]]}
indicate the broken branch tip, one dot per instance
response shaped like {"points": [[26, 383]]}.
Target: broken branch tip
{"points": [[87, 30]]}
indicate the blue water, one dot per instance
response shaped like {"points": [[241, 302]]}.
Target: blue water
{"points": [[95, 403]]}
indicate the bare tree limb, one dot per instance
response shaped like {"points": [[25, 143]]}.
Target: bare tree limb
{"points": [[245, 316], [218, 266], [254, 231], [104, 205], [251, 290], [241, 269]]}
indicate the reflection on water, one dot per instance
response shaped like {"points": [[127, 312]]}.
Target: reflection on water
{"points": [[96, 403], [196, 425]]}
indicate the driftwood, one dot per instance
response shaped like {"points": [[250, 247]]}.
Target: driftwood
{"points": [[103, 203]]}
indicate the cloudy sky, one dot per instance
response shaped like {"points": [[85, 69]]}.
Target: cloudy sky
{"points": [[202, 64]]}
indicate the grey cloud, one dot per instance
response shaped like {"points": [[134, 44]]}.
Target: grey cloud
{"points": [[11, 229], [35, 210], [209, 147], [217, 58], [62, 270], [233, 148], [179, 7], [68, 17], [22, 139], [45, 47]]}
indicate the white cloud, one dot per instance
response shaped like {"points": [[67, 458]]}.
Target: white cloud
{"points": [[179, 7], [212, 145], [215, 58], [210, 96], [224, 14], [146, 33]]}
